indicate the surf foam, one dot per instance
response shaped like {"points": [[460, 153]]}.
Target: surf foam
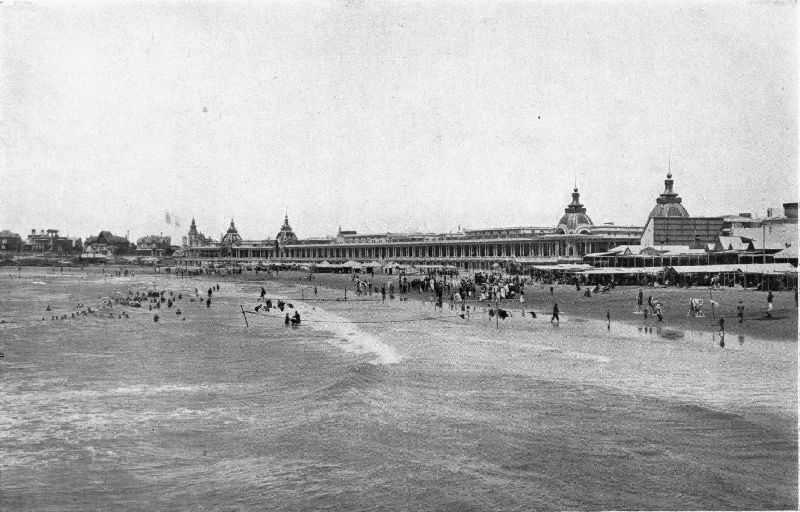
{"points": [[348, 336]]}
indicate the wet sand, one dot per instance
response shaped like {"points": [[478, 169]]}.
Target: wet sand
{"points": [[621, 302]]}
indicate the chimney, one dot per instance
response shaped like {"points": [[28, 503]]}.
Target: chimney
{"points": [[746, 215], [790, 210], [769, 212]]}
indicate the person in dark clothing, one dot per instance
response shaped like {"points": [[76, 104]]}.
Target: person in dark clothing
{"points": [[208, 303], [555, 314], [740, 311], [770, 296], [296, 318], [287, 320]]}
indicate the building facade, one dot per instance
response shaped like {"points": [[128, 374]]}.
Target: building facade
{"points": [[107, 243], [10, 241], [573, 237], [49, 241]]}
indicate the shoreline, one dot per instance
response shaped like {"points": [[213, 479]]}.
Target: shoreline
{"points": [[620, 303]]}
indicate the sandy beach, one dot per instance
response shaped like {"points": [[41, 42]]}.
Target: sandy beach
{"points": [[620, 302]]}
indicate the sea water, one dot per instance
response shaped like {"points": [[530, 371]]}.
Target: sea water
{"points": [[377, 406]]}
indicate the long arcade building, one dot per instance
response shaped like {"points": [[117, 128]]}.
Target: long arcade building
{"points": [[572, 238]]}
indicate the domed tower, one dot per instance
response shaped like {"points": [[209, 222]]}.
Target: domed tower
{"points": [[286, 235], [668, 204], [192, 238], [232, 236], [575, 220]]}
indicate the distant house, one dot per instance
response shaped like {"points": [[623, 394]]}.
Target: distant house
{"points": [[49, 241], [154, 245], [10, 241], [107, 243]]}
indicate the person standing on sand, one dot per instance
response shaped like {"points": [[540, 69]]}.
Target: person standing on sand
{"points": [[551, 290], [640, 301], [770, 296], [722, 326], [555, 314], [740, 311]]}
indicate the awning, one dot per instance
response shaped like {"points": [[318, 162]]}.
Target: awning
{"points": [[623, 271], [790, 253], [563, 267], [352, 264], [747, 268]]}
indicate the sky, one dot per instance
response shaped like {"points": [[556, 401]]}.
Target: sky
{"points": [[389, 116]]}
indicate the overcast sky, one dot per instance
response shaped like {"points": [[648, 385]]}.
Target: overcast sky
{"points": [[389, 116]]}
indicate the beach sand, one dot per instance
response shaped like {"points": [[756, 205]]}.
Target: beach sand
{"points": [[621, 303]]}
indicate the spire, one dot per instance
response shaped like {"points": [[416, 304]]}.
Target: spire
{"points": [[575, 206], [669, 195]]}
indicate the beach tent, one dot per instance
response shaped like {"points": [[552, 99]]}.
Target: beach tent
{"points": [[373, 264], [324, 264]]}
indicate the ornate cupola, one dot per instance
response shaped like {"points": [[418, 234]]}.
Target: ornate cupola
{"points": [[286, 235], [668, 204], [232, 236], [575, 220]]}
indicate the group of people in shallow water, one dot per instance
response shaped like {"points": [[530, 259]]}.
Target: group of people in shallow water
{"points": [[266, 305], [154, 300]]}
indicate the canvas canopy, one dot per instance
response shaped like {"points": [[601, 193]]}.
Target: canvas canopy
{"points": [[622, 270], [747, 268], [563, 267]]}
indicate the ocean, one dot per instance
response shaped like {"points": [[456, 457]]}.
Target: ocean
{"points": [[376, 406]]}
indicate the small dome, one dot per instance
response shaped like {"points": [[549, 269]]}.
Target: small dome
{"points": [[232, 237], [668, 203], [575, 220], [286, 235]]}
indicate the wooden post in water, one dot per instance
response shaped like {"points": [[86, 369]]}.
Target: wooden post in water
{"points": [[244, 315], [713, 315]]}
